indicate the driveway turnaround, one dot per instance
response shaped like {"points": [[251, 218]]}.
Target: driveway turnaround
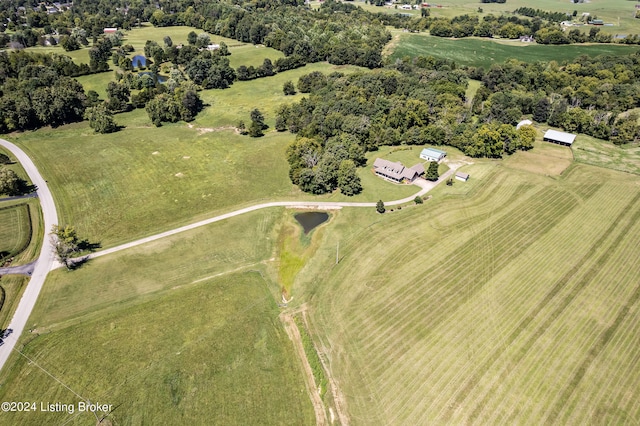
{"points": [[45, 260]]}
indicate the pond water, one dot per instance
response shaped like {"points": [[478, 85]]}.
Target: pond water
{"points": [[310, 220], [139, 61], [161, 78]]}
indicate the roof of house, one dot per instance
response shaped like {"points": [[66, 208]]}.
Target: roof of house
{"points": [[396, 170], [419, 168], [462, 175], [432, 152], [560, 136]]}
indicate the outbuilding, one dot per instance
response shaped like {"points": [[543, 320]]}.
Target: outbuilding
{"points": [[524, 123], [561, 138], [432, 154], [462, 176]]}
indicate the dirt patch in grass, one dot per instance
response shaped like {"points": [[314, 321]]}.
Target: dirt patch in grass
{"points": [[538, 162]]}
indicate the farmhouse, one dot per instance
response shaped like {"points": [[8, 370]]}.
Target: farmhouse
{"points": [[432, 154], [462, 176], [397, 172], [561, 138], [110, 30]]}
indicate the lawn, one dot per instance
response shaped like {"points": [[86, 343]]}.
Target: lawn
{"points": [[11, 288], [484, 53], [597, 152], [214, 352], [184, 329], [508, 299], [15, 229], [143, 179]]}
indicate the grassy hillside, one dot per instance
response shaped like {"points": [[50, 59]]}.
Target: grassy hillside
{"points": [[181, 330], [144, 179], [511, 298]]}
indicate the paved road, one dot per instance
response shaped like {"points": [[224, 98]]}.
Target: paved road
{"points": [[45, 260], [424, 184]]}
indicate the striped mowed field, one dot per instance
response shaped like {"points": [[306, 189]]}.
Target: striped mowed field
{"points": [[510, 299]]}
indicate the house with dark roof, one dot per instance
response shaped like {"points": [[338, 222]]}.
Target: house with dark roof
{"points": [[397, 172], [561, 138]]}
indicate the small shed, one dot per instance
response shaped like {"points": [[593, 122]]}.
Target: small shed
{"points": [[524, 123], [561, 138], [432, 154], [110, 30], [462, 176]]}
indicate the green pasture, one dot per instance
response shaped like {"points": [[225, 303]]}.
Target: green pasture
{"points": [[11, 288], [15, 229], [144, 179], [214, 352], [597, 152], [484, 53], [181, 329], [511, 298], [619, 13]]}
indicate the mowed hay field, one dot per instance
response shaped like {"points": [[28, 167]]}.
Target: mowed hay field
{"points": [[178, 331], [484, 53], [509, 299]]}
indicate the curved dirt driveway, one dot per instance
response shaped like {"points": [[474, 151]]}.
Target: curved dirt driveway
{"points": [[45, 260], [425, 185]]}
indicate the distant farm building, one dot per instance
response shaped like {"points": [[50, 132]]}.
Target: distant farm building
{"points": [[432, 154], [397, 172], [110, 30], [524, 123], [212, 47], [462, 176], [527, 39], [596, 22], [561, 138]]}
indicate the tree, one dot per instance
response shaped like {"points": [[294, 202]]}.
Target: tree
{"points": [[101, 119], [348, 180], [288, 88], [432, 171], [118, 94], [167, 41], [65, 244], [527, 135], [418, 200], [257, 124], [4, 159], [380, 207], [9, 181], [192, 38]]}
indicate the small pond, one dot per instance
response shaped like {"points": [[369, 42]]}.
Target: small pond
{"points": [[161, 78], [139, 61], [310, 220]]}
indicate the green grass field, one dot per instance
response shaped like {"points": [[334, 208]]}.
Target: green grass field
{"points": [[11, 288], [143, 179], [182, 329], [597, 152], [484, 53], [15, 229], [508, 299]]}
